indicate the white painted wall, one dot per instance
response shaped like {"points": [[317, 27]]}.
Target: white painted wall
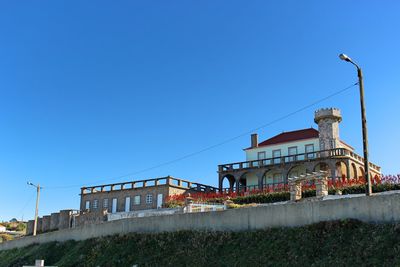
{"points": [[251, 154], [276, 176]]}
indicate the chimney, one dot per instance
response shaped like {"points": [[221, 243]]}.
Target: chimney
{"points": [[254, 140]]}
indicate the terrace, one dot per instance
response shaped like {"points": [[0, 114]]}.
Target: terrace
{"points": [[327, 160], [163, 181]]}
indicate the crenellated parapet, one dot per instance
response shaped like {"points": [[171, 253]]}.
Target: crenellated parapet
{"points": [[327, 113]]}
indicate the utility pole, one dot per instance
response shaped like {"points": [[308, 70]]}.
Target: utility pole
{"points": [[37, 207], [368, 186]]}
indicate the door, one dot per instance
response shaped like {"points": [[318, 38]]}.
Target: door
{"points": [[159, 201], [114, 205], [127, 204]]}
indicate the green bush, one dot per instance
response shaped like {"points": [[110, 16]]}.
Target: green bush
{"points": [[262, 198], [336, 243], [20, 227], [285, 196], [271, 197]]}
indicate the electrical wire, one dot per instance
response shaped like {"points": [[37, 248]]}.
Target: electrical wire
{"points": [[215, 145], [21, 212]]}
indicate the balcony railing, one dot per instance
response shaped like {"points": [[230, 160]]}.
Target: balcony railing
{"points": [[273, 187], [309, 156], [170, 181]]}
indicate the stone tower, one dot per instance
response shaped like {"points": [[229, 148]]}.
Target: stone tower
{"points": [[328, 120]]}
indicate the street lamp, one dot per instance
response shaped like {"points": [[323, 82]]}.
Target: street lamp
{"points": [[368, 188], [37, 205]]}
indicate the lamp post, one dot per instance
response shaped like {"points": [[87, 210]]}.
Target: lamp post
{"points": [[37, 206], [368, 188]]}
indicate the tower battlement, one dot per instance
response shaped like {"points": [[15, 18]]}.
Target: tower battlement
{"points": [[328, 113]]}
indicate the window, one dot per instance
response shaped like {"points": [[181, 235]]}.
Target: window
{"points": [[261, 155], [105, 203], [136, 200], [127, 204], [333, 144], [292, 152], [149, 199], [277, 178], [309, 151], [95, 204], [87, 205], [276, 154]]}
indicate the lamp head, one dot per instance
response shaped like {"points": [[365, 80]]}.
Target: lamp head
{"points": [[344, 57]]}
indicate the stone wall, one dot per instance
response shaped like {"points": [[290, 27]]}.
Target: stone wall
{"points": [[39, 225], [29, 227], [85, 218], [54, 221], [46, 223], [65, 218], [121, 196]]}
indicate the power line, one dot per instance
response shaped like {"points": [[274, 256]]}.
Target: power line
{"points": [[217, 144], [21, 212]]}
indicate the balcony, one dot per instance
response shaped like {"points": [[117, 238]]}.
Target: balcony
{"points": [[336, 153]]}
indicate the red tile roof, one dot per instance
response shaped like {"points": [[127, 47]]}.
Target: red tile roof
{"points": [[290, 137]]}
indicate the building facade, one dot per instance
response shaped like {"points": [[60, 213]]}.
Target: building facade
{"points": [[99, 201], [136, 195], [270, 163]]}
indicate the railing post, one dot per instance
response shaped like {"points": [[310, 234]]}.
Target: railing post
{"points": [[189, 203]]}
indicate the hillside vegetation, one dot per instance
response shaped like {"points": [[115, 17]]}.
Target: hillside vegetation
{"points": [[18, 227], [339, 243]]}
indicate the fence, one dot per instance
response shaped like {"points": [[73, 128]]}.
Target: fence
{"points": [[142, 213], [203, 207]]}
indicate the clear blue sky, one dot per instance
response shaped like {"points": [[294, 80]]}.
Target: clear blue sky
{"points": [[93, 90]]}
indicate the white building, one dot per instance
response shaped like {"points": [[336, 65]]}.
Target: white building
{"points": [[289, 154]]}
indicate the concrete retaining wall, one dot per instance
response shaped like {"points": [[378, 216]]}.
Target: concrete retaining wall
{"points": [[377, 208]]}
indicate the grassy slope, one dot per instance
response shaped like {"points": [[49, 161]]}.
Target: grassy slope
{"points": [[342, 243]]}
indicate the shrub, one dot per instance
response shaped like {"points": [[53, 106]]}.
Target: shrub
{"points": [[278, 194]]}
